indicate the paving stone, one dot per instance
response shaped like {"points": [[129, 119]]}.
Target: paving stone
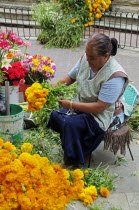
{"points": [[133, 200]]}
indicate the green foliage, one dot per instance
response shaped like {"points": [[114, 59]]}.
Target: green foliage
{"points": [[41, 117], [135, 173], [45, 143], [1, 76], [133, 122], [100, 178], [97, 206], [57, 29], [68, 35], [120, 161]]}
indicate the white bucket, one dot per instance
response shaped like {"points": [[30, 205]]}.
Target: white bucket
{"points": [[11, 126], [13, 94]]}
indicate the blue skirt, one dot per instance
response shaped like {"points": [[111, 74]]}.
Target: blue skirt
{"points": [[80, 133]]}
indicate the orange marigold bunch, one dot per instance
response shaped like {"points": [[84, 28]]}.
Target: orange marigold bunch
{"points": [[36, 96]]}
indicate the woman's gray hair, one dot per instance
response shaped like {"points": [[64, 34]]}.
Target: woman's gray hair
{"points": [[102, 44]]}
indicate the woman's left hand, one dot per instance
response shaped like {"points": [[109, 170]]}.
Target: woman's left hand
{"points": [[65, 103]]}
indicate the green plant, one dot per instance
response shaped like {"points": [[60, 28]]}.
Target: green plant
{"points": [[135, 173], [120, 161], [97, 206], [100, 177], [133, 122], [45, 143], [68, 35]]}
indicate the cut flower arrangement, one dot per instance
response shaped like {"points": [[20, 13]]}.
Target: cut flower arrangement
{"points": [[39, 68], [30, 182], [11, 67]]}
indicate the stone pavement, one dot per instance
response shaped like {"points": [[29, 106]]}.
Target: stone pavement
{"points": [[126, 196]]}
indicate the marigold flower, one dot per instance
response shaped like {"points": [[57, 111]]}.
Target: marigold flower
{"points": [[1, 142], [9, 146], [104, 192], [26, 147]]}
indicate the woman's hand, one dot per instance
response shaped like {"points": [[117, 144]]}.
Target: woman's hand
{"points": [[65, 103]]}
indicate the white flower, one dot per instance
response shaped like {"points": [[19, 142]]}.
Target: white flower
{"points": [[6, 63]]}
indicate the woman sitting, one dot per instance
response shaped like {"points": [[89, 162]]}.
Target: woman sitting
{"points": [[83, 121]]}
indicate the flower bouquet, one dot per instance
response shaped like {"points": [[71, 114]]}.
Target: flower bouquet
{"points": [[39, 68], [11, 68], [14, 73], [36, 96]]}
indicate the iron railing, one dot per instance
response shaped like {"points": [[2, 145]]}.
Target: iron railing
{"points": [[123, 26]]}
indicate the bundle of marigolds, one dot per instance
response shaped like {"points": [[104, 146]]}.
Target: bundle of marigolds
{"points": [[30, 182], [36, 96]]}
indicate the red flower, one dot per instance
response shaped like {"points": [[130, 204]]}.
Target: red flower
{"points": [[15, 73]]}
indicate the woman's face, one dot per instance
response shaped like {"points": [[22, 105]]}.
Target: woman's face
{"points": [[95, 61]]}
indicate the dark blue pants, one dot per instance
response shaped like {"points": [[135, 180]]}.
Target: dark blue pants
{"points": [[80, 134]]}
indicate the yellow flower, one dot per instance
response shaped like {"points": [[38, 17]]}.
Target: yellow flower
{"points": [[86, 172], [98, 15], [42, 134], [90, 23], [26, 147], [1, 142], [86, 24], [73, 20], [104, 192], [36, 62], [9, 146]]}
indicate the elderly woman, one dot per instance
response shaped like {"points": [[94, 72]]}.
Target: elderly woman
{"points": [[83, 121]]}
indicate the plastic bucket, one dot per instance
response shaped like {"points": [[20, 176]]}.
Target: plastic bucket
{"points": [[11, 126]]}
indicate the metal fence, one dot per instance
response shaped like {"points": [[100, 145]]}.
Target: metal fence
{"points": [[123, 26]]}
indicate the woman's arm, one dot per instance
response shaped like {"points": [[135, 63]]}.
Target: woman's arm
{"points": [[93, 107]]}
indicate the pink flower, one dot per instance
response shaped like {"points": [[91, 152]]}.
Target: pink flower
{"points": [[27, 44]]}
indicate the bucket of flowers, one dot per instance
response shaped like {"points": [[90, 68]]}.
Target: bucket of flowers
{"points": [[11, 68]]}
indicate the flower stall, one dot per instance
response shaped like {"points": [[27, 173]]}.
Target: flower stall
{"points": [[30, 179]]}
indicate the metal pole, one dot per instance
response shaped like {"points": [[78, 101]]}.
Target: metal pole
{"points": [[7, 98]]}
